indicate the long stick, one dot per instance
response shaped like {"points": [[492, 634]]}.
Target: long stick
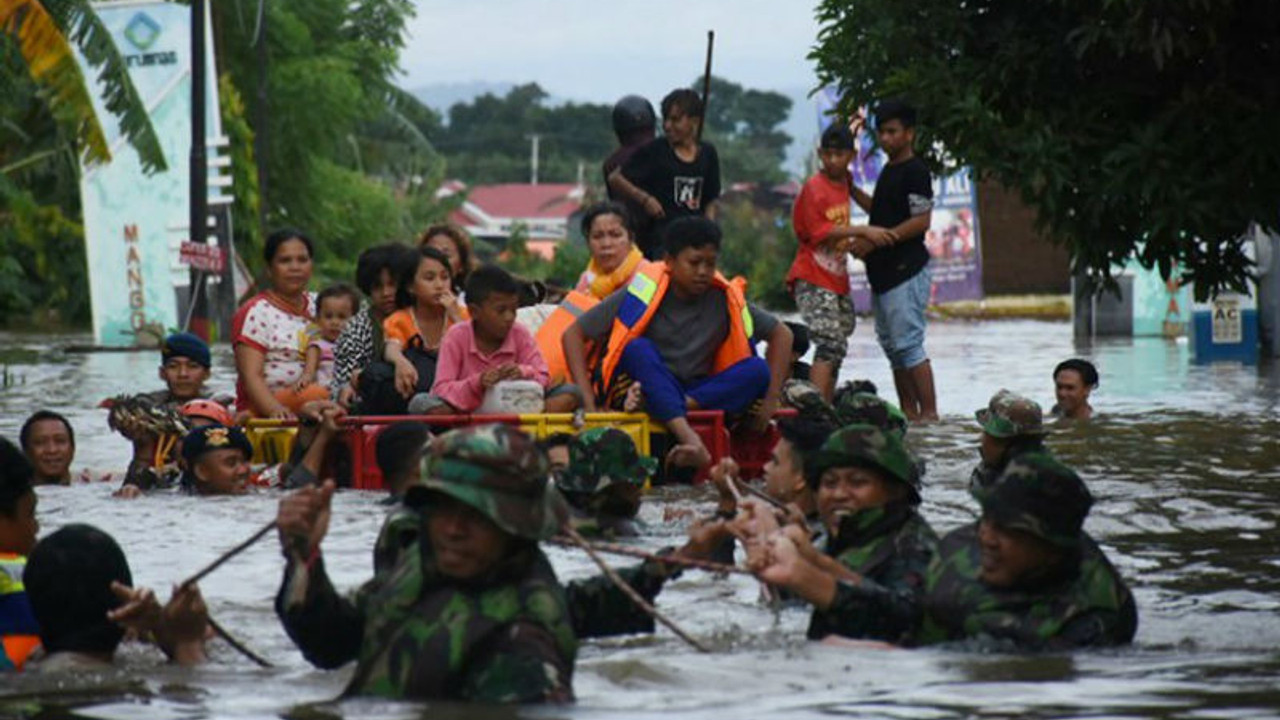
{"points": [[756, 492], [630, 591], [706, 82], [228, 555], [614, 549], [239, 646]]}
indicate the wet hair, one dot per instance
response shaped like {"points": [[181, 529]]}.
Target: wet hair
{"points": [[409, 273], [461, 241], [16, 475], [555, 440], [24, 435], [280, 237], [68, 580], [398, 449], [684, 99], [806, 435], [799, 337], [895, 109], [339, 290], [1088, 373], [489, 280], [389, 257], [693, 231], [608, 207]]}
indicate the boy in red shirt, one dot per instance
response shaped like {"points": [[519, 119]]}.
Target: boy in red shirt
{"points": [[819, 277]]}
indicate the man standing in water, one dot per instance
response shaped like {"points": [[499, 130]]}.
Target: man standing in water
{"points": [[49, 443], [1011, 426], [898, 267], [1073, 381]]}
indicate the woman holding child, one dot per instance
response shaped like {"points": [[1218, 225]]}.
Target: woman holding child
{"points": [[270, 332]]}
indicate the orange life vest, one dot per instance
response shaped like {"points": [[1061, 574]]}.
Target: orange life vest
{"points": [[644, 295], [552, 330]]}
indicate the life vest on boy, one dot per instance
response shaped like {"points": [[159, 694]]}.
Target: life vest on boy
{"points": [[644, 296], [552, 330], [19, 632]]}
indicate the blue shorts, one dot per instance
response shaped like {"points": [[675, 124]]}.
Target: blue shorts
{"points": [[900, 320]]}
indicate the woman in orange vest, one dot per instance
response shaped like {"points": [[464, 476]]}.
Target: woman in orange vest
{"points": [[687, 336]]}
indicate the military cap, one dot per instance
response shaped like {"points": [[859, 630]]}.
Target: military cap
{"points": [[601, 457], [498, 470], [853, 406], [185, 345], [1011, 415], [1039, 495], [863, 445], [805, 397], [214, 437]]}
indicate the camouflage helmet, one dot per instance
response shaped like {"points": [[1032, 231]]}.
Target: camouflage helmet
{"points": [[864, 407], [1011, 415], [601, 457], [498, 470], [1039, 495], [805, 397], [862, 445]]}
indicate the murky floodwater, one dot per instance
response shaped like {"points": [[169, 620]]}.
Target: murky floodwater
{"points": [[1183, 463]]}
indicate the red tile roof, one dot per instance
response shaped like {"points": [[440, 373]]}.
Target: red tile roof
{"points": [[513, 200]]}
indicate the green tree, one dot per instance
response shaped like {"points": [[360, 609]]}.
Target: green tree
{"points": [[1134, 128], [758, 245], [743, 124]]}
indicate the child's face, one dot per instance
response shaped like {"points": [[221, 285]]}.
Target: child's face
{"points": [[383, 293], [895, 138], [333, 316], [693, 269], [679, 127], [431, 282], [18, 533], [835, 163], [494, 317]]}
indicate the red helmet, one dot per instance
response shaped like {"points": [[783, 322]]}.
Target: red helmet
{"points": [[209, 410]]}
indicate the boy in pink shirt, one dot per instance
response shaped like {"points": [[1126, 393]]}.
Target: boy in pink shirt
{"points": [[491, 348]]}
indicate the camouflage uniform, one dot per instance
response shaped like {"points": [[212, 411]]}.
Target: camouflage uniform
{"points": [[505, 637], [888, 547], [510, 636], [1015, 419], [603, 482], [1080, 602]]}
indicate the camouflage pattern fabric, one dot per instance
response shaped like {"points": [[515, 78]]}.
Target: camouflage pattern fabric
{"points": [[600, 458], [498, 470], [1010, 415], [983, 477], [805, 397], [869, 409], [866, 446], [1088, 605], [830, 318], [890, 548], [1039, 495]]}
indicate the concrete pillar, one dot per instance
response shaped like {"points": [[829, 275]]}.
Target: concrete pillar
{"points": [[1267, 255]]}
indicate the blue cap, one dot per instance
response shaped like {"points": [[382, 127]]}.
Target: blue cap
{"points": [[186, 345]]}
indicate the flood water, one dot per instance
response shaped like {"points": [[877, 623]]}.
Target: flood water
{"points": [[1182, 462]]}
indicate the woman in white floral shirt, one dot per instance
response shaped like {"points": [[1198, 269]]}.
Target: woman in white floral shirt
{"points": [[271, 330]]}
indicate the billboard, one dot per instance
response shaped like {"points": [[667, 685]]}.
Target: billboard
{"points": [[953, 238], [134, 224]]}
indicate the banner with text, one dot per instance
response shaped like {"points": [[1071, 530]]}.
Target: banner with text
{"points": [[134, 224]]}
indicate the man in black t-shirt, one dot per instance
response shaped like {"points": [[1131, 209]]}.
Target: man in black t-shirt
{"points": [[898, 264], [673, 176], [633, 121]]}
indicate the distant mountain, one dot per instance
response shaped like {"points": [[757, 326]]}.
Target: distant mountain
{"points": [[442, 96]]}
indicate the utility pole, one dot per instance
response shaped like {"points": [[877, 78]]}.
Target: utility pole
{"points": [[260, 145], [533, 159], [197, 314]]}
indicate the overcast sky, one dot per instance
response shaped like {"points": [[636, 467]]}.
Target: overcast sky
{"points": [[599, 50]]}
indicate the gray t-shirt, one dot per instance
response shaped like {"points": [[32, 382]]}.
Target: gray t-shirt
{"points": [[686, 333]]}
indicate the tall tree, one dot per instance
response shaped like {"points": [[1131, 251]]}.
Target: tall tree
{"points": [[1135, 128], [743, 123]]}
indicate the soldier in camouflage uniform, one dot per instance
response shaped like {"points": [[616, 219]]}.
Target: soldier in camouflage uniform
{"points": [[867, 582], [1026, 575], [603, 482], [469, 610], [1012, 425]]}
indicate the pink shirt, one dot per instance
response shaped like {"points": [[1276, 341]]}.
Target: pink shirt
{"points": [[461, 363]]}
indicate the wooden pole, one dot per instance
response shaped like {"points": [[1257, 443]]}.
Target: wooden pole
{"points": [[228, 555], [630, 591], [706, 82], [615, 549]]}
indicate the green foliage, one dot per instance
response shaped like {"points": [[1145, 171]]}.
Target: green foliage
{"points": [[570, 260], [1134, 128], [743, 125], [244, 171], [758, 245]]}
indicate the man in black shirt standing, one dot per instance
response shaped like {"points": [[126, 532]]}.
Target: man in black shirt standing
{"points": [[633, 124], [673, 176], [898, 265]]}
